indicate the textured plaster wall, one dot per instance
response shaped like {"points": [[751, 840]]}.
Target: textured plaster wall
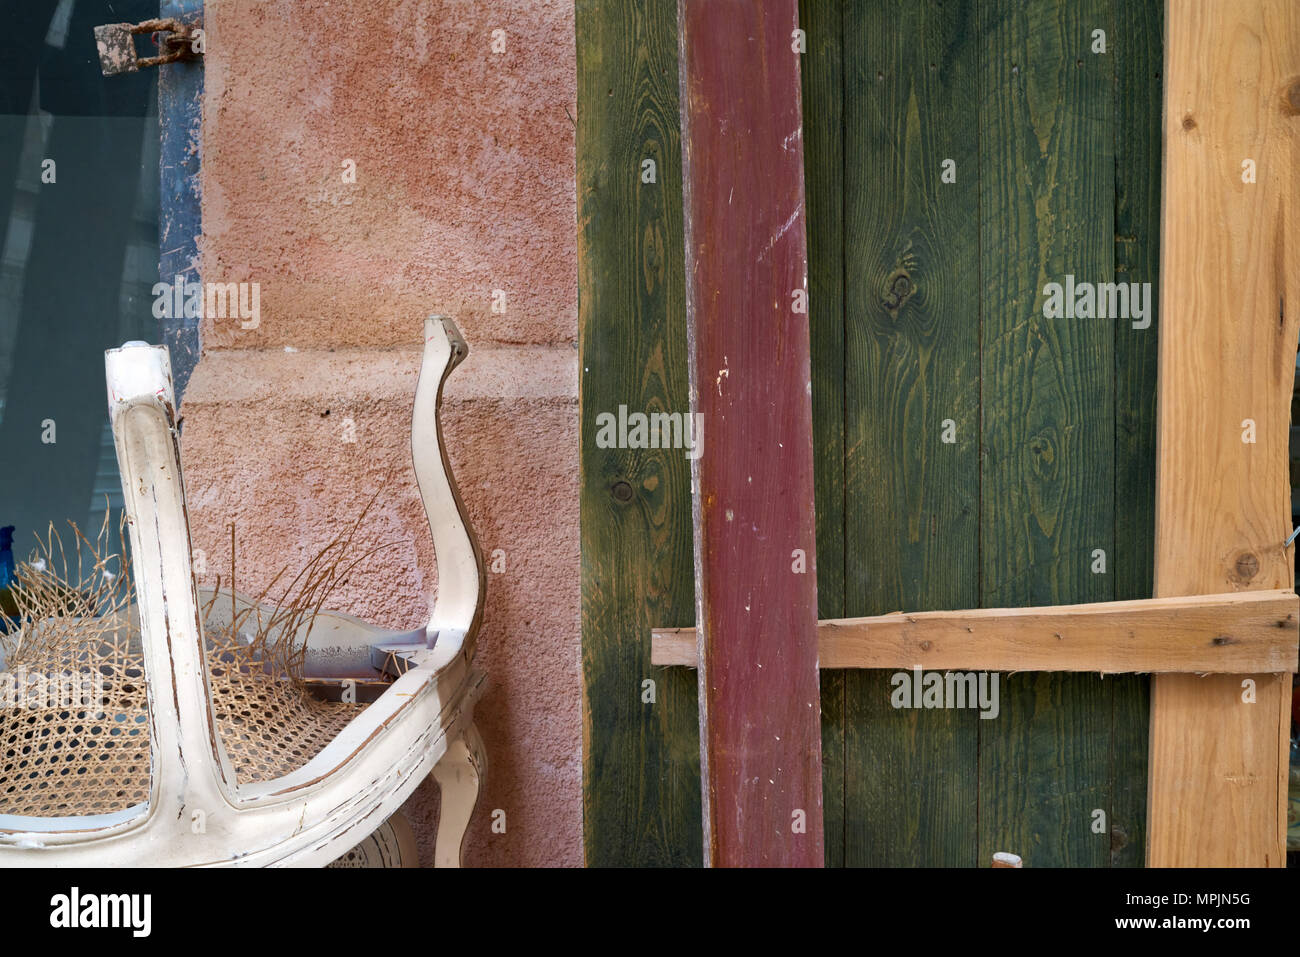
{"points": [[464, 185]]}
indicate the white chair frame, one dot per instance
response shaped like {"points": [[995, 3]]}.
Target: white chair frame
{"points": [[421, 724]]}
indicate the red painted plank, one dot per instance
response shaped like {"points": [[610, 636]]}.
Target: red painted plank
{"points": [[746, 270]]}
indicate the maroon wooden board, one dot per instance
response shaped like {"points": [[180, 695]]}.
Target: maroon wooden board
{"points": [[756, 582]]}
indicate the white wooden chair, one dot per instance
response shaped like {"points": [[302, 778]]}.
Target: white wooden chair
{"points": [[302, 786]]}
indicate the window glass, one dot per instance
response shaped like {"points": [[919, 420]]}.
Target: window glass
{"points": [[79, 208]]}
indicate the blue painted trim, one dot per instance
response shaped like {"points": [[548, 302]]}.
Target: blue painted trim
{"points": [[180, 221]]}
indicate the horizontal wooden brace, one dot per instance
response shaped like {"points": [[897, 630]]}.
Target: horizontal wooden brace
{"points": [[1238, 633]]}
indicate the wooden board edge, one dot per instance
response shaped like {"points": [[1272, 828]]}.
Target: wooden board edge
{"points": [[1234, 633]]}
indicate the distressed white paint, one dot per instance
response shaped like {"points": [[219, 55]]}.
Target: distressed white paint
{"points": [[421, 724]]}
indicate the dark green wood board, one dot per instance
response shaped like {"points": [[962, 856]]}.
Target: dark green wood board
{"points": [[912, 362], [1139, 59], [641, 761], [925, 305], [823, 159], [1047, 390]]}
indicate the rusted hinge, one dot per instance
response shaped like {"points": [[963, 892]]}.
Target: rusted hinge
{"points": [[116, 44]]}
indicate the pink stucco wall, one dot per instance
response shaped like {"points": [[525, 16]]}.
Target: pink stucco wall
{"points": [[464, 185]]}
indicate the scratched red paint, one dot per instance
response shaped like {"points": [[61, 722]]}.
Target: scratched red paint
{"points": [[746, 256]]}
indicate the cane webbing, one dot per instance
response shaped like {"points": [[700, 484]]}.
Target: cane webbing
{"points": [[71, 745]]}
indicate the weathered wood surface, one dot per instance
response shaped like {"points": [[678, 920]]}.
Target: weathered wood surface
{"points": [[1137, 46], [1217, 787], [890, 90], [1048, 407], [1234, 633], [823, 163], [180, 99], [641, 781], [912, 373], [748, 344]]}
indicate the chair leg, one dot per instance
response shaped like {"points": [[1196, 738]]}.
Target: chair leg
{"points": [[459, 775]]}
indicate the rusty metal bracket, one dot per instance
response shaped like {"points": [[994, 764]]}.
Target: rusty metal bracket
{"points": [[116, 44]]}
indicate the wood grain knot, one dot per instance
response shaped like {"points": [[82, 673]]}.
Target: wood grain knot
{"points": [[1291, 99], [899, 289], [1118, 838], [1246, 566], [1189, 123], [1042, 449], [622, 491]]}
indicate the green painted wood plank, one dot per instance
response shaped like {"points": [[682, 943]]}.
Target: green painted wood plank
{"points": [[823, 145], [1138, 48], [912, 346], [1047, 480], [641, 783]]}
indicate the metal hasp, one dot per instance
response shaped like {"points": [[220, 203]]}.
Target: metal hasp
{"points": [[116, 44], [747, 339]]}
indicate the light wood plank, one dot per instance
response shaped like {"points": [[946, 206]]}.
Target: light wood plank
{"points": [[1232, 633], [1229, 290]]}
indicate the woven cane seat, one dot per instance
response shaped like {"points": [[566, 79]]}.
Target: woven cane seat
{"points": [[82, 747]]}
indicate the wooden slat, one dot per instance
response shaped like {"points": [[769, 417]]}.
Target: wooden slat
{"points": [[1047, 387], [749, 349], [912, 354], [1137, 47], [1236, 633], [641, 786], [1229, 297], [823, 155]]}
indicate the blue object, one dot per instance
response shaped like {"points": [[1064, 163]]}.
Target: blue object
{"points": [[180, 95], [6, 556]]}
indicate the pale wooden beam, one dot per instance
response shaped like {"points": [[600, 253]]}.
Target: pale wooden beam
{"points": [[1228, 321], [1230, 634]]}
